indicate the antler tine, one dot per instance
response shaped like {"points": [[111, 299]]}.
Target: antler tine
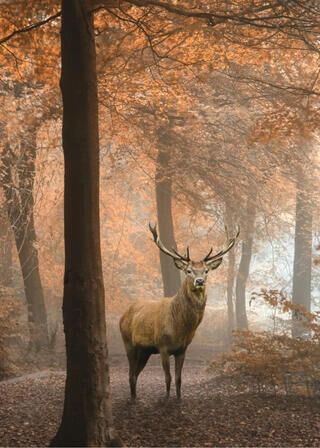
{"points": [[208, 255], [182, 257], [153, 230], [229, 245], [174, 254], [227, 233]]}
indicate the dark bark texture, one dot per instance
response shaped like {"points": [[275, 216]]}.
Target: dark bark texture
{"points": [[87, 414]]}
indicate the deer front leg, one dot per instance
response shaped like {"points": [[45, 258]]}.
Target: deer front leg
{"points": [[179, 360], [166, 367]]}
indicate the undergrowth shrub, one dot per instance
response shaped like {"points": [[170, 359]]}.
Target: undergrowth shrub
{"points": [[275, 360]]}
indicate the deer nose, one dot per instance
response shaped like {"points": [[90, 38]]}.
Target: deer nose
{"points": [[199, 282]]}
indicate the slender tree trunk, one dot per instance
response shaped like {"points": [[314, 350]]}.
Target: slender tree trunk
{"points": [[5, 240], [244, 265], [243, 273], [5, 249], [230, 279], [230, 288], [302, 265], [170, 275], [87, 414], [18, 183], [5, 283]]}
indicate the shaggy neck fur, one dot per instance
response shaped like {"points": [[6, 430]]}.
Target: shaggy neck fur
{"points": [[188, 305]]}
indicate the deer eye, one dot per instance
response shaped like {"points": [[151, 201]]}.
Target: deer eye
{"points": [[189, 271], [206, 270]]}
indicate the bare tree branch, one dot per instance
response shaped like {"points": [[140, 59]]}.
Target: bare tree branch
{"points": [[30, 27], [277, 15]]}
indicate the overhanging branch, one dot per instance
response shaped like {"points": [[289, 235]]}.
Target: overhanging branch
{"points": [[30, 27], [275, 15], [213, 19]]}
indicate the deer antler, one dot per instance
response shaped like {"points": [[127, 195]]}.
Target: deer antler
{"points": [[174, 254], [229, 245]]}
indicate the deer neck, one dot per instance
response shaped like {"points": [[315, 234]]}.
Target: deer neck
{"points": [[195, 297], [189, 303]]}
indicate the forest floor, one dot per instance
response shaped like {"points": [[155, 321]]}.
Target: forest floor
{"points": [[212, 412]]}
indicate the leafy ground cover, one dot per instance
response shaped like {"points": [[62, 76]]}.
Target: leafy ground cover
{"points": [[214, 411]]}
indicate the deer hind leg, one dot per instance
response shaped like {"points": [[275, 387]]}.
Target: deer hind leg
{"points": [[179, 360], [138, 358], [131, 354], [166, 367]]}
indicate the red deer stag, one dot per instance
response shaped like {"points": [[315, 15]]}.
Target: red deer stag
{"points": [[168, 326]]}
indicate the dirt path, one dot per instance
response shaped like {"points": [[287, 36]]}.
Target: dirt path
{"points": [[208, 415]]}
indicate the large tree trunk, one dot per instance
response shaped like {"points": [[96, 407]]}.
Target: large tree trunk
{"points": [[18, 183], [87, 414], [302, 265], [170, 275], [244, 265]]}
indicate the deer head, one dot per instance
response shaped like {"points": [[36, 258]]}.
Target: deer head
{"points": [[196, 271]]}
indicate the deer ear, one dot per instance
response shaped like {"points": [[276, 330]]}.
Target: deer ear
{"points": [[180, 264], [214, 264]]}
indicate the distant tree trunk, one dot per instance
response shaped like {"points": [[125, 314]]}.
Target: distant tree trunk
{"points": [[230, 280], [302, 265], [230, 288], [5, 284], [87, 415], [18, 170], [5, 234], [5, 248], [170, 275], [243, 273], [244, 265]]}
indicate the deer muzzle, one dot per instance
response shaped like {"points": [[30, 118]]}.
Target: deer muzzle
{"points": [[199, 282]]}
